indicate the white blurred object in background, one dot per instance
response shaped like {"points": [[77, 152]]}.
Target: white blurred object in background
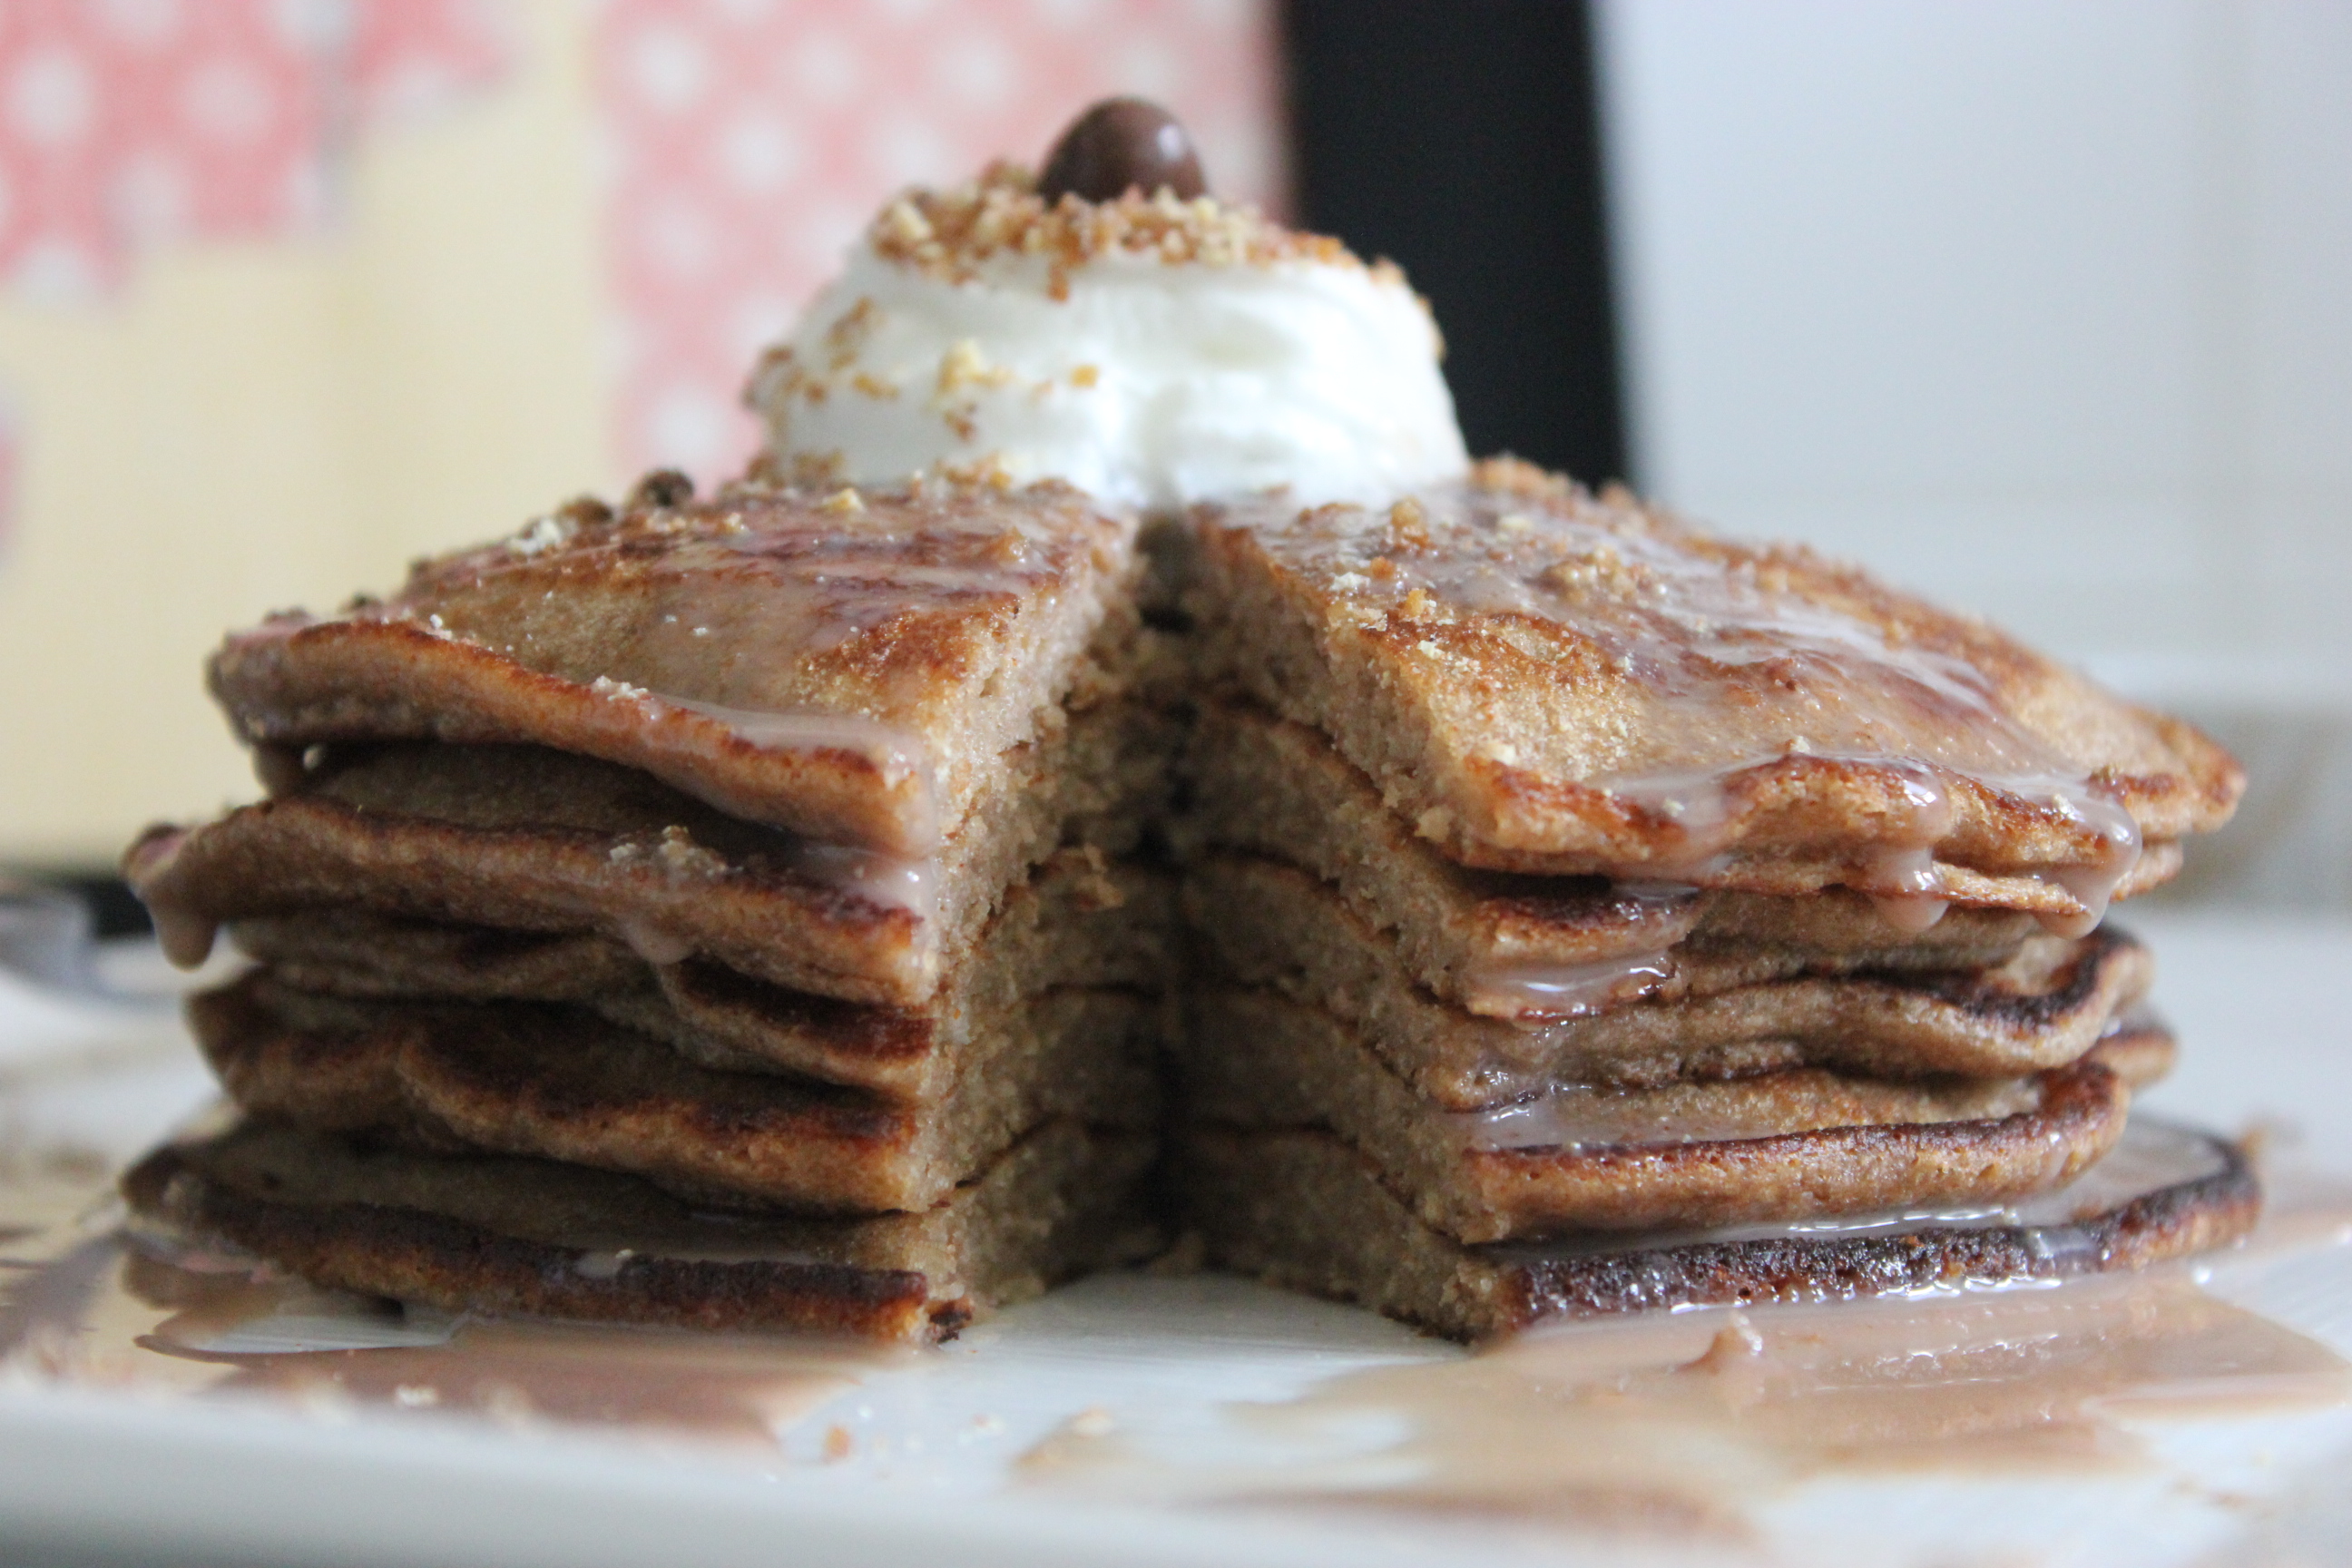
{"points": [[2043, 309]]}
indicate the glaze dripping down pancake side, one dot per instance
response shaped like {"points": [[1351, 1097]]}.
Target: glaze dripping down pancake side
{"points": [[1544, 681]]}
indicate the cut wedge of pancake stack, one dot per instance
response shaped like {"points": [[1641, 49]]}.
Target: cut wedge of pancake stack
{"points": [[1588, 914], [723, 913]]}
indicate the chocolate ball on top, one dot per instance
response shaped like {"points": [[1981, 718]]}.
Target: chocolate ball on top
{"points": [[1122, 144]]}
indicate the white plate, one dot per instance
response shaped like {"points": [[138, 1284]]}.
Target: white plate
{"points": [[917, 1458]]}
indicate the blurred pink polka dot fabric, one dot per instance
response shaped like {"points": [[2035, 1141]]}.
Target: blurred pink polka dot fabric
{"points": [[748, 143], [127, 122]]}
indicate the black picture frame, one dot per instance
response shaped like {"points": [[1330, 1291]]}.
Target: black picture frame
{"points": [[1463, 141]]}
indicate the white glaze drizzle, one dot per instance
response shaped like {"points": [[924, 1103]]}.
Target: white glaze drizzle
{"points": [[1906, 888], [899, 753], [1577, 1118], [885, 880], [908, 882], [186, 938], [651, 942]]}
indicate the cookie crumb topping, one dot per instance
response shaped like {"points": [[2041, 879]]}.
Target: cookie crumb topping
{"points": [[948, 233]]}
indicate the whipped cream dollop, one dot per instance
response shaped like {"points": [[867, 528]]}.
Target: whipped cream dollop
{"points": [[1152, 350]]}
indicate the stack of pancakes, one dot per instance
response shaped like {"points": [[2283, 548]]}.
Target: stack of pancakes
{"points": [[763, 911], [1566, 884], [720, 913]]}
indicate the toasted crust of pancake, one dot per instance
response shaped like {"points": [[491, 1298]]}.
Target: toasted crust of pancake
{"points": [[556, 1083], [1268, 787], [484, 1234], [1517, 691], [1301, 1209], [1074, 923], [1698, 1013], [1793, 1145], [851, 668], [534, 840]]}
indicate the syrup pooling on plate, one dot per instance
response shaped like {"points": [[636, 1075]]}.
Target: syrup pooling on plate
{"points": [[1664, 1419], [1690, 1416], [271, 1337], [156, 1315], [153, 1310], [1951, 1381], [1752, 658]]}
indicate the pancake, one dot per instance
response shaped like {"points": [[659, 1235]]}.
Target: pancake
{"points": [[1541, 681], [495, 1234], [1690, 1012], [1301, 1209], [561, 1084], [1267, 786], [855, 667], [1785, 1145], [529, 839], [1077, 921]]}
